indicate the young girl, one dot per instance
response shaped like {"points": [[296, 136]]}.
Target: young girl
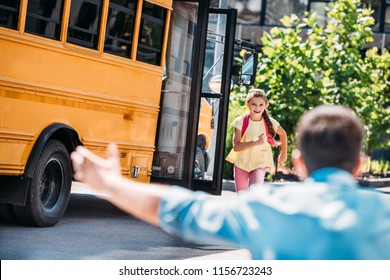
{"points": [[253, 136]]}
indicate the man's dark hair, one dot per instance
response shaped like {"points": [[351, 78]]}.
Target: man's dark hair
{"points": [[330, 136]]}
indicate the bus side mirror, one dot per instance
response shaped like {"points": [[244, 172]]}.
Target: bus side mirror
{"points": [[249, 69]]}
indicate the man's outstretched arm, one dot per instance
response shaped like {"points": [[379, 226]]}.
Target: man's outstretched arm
{"points": [[194, 216], [138, 199]]}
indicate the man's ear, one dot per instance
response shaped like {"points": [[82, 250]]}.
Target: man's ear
{"points": [[299, 164], [356, 170]]}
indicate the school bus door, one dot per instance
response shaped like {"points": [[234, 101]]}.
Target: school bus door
{"points": [[215, 91], [188, 108]]}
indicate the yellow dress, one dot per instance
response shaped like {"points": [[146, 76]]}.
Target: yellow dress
{"points": [[255, 157]]}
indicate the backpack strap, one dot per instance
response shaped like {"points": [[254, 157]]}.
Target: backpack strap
{"points": [[245, 124]]}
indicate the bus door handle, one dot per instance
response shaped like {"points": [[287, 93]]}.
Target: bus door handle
{"points": [[135, 172]]}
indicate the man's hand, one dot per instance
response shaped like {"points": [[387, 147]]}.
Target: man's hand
{"points": [[94, 170]]}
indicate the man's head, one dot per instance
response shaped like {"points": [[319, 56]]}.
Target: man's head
{"points": [[328, 136]]}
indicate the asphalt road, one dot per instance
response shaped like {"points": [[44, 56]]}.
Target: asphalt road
{"points": [[93, 229]]}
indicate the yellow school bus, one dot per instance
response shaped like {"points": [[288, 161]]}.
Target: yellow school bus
{"points": [[91, 72]]}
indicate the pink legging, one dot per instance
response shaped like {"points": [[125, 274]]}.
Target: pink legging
{"points": [[243, 179]]}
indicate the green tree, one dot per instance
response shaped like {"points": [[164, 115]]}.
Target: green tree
{"points": [[328, 65]]}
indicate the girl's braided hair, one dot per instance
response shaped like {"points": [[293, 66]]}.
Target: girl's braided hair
{"points": [[256, 92]]}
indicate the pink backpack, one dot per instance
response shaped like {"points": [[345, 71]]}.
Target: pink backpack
{"points": [[270, 140]]}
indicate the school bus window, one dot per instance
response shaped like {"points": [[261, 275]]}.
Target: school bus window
{"points": [[84, 23], [120, 26], [44, 18], [9, 13], [151, 34]]}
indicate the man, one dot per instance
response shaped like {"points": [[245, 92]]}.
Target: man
{"points": [[326, 217]]}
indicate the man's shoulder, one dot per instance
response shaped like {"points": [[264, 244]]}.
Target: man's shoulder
{"points": [[294, 192]]}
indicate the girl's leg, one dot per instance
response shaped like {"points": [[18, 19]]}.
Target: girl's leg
{"points": [[241, 179], [257, 176]]}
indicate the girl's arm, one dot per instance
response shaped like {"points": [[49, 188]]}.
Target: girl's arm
{"points": [[283, 139], [241, 146]]}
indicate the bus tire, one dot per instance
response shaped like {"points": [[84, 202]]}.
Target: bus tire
{"points": [[49, 189]]}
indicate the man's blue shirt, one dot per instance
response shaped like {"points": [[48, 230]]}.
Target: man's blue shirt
{"points": [[326, 217]]}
